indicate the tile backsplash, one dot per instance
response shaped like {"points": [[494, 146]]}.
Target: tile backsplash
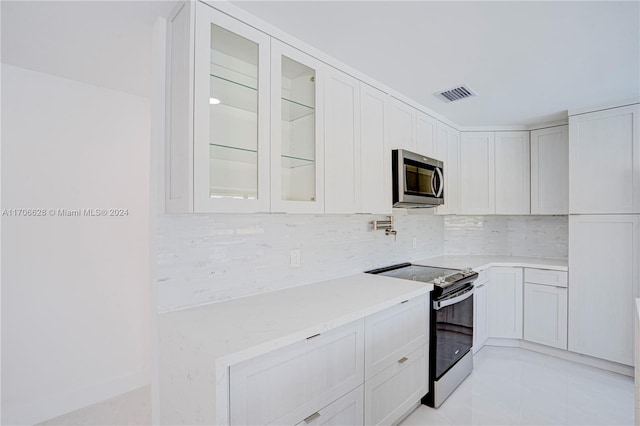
{"points": [[535, 236], [209, 258]]}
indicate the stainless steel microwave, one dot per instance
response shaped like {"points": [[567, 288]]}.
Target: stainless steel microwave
{"points": [[418, 181]]}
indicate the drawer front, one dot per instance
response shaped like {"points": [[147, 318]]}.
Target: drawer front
{"points": [[395, 332], [483, 277], [545, 277], [348, 410], [390, 394], [305, 376]]}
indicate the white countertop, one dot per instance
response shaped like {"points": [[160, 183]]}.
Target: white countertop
{"points": [[479, 263], [239, 329]]}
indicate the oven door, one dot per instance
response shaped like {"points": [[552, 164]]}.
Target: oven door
{"points": [[453, 329]]}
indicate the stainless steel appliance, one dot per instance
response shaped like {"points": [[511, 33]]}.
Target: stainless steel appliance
{"points": [[418, 181], [450, 325]]}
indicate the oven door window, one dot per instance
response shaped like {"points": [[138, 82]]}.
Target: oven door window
{"points": [[421, 179], [454, 334]]}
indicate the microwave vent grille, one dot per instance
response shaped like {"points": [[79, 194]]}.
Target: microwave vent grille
{"points": [[456, 93]]}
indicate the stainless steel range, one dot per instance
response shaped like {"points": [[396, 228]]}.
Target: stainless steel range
{"points": [[450, 325]]}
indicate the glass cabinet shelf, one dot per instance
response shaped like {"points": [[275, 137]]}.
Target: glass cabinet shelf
{"points": [[292, 110], [291, 162], [232, 153], [233, 94]]}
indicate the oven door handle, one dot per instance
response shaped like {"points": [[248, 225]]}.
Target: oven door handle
{"points": [[437, 305]]}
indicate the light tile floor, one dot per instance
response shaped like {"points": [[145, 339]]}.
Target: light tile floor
{"points": [[512, 386]]}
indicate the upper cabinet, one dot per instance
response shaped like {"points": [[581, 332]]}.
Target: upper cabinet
{"points": [[512, 172], [412, 130], [550, 171], [375, 159], [448, 151], [494, 173], [297, 156], [342, 143], [477, 173], [604, 161]]}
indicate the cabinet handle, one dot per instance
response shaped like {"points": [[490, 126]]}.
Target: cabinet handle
{"points": [[311, 337], [403, 360], [312, 417], [404, 301]]}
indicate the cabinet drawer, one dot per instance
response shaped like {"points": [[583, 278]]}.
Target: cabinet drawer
{"points": [[348, 410], [395, 332], [300, 378], [390, 394], [545, 277]]}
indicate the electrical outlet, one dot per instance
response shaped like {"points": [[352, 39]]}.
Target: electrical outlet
{"points": [[414, 242], [294, 258]]}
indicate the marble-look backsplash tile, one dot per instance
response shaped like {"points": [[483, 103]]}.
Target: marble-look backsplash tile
{"points": [[535, 236], [209, 258]]}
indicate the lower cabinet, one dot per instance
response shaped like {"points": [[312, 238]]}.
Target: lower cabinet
{"points": [[545, 307], [390, 394], [504, 303], [322, 380], [480, 313]]}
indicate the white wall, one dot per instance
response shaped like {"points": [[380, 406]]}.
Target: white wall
{"points": [[75, 292], [209, 258], [535, 236]]}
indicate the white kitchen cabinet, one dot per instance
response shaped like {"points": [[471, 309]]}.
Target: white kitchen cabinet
{"points": [[298, 380], [512, 179], [448, 151], [605, 278], [550, 171], [604, 161], [545, 307], [504, 303], [545, 315], [402, 129], [217, 114], [348, 410], [477, 173], [390, 394], [426, 135], [480, 314], [393, 333], [375, 151], [342, 143], [297, 125]]}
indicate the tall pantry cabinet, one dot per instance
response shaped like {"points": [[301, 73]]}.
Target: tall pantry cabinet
{"points": [[604, 231]]}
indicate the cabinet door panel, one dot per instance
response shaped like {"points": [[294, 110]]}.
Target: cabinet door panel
{"points": [[425, 134], [504, 302], [391, 393], [298, 379], [477, 173], [402, 131], [231, 115], [545, 315], [342, 144], [512, 180], [604, 257], [480, 324], [376, 153], [393, 333], [604, 166], [297, 131], [550, 171], [448, 151]]}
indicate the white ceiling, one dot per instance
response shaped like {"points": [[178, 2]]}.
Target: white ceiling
{"points": [[107, 43], [529, 62]]}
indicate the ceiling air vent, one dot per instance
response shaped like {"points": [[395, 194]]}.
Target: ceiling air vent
{"points": [[456, 93]]}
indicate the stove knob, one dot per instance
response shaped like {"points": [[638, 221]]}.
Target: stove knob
{"points": [[467, 271]]}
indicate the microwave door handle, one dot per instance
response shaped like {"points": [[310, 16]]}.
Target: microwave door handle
{"points": [[441, 182]]}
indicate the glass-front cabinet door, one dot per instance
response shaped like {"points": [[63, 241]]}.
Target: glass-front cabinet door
{"points": [[231, 111], [296, 132]]}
